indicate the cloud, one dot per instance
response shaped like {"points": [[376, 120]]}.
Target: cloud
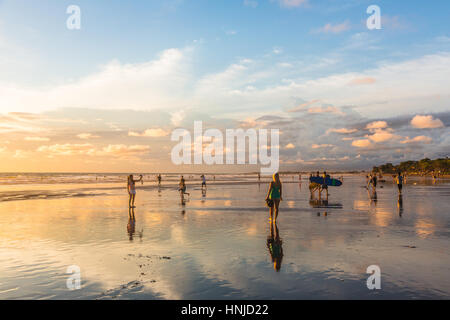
{"points": [[362, 143], [158, 132], [303, 106], [337, 28], [290, 146], [362, 81], [382, 136], [123, 150], [377, 125], [418, 139], [292, 3], [426, 122], [318, 146], [21, 154], [87, 136], [251, 3], [36, 139], [67, 149], [342, 130], [163, 81], [329, 109]]}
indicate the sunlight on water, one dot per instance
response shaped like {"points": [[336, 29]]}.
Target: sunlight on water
{"points": [[220, 245]]}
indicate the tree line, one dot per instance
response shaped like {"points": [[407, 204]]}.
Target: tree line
{"points": [[424, 166]]}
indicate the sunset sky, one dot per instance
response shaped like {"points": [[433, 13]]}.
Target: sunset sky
{"points": [[106, 98]]}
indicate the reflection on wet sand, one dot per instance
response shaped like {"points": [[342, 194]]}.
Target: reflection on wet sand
{"points": [[219, 246], [275, 246]]}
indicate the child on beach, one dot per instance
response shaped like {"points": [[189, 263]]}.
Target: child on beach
{"points": [[132, 189], [275, 194]]}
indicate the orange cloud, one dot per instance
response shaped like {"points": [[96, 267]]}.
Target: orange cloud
{"points": [[362, 143], [317, 146], [418, 139], [342, 130], [377, 125], [426, 122]]}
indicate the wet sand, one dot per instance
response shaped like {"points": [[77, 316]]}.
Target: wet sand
{"points": [[215, 246]]}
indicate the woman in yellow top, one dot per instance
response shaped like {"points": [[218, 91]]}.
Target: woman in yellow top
{"points": [[275, 194]]}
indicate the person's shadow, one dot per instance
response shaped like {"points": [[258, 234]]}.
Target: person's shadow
{"points": [[275, 246]]}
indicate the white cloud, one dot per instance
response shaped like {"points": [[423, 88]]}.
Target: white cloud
{"points": [[248, 86], [157, 132], [426, 122], [87, 136], [36, 139], [160, 82], [123, 150], [292, 3], [337, 28], [67, 149], [251, 3]]}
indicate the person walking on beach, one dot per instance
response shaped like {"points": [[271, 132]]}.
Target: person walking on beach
{"points": [[132, 189], [182, 188], [275, 194], [399, 181]]}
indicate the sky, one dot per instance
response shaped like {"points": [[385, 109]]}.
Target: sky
{"points": [[106, 97]]}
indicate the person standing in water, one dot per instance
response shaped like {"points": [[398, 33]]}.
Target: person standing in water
{"points": [[399, 181], [275, 194], [159, 180], [203, 181], [132, 189]]}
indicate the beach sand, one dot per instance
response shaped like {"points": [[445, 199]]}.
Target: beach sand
{"points": [[215, 246]]}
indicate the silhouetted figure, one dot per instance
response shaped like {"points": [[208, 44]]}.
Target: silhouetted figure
{"points": [[275, 246]]}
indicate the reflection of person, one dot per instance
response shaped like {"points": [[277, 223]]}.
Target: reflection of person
{"points": [[131, 226], [275, 194], [275, 246], [400, 204], [132, 189]]}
